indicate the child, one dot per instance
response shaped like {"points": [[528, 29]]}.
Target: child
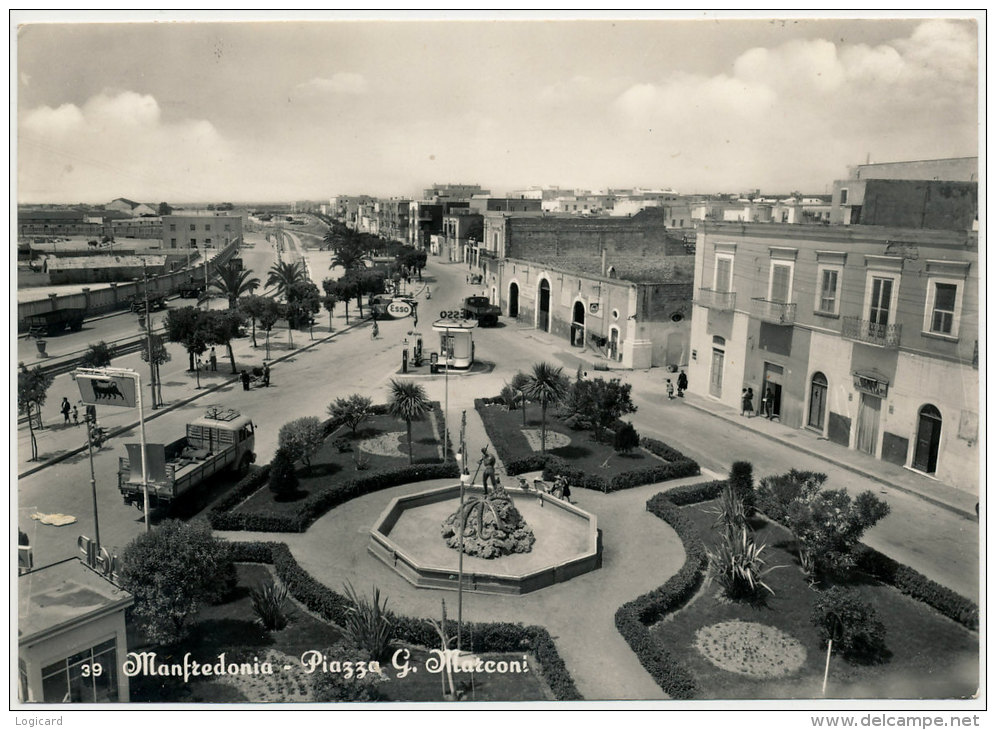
{"points": [[76, 416], [670, 390]]}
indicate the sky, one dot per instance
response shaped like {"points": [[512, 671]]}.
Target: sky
{"points": [[294, 110]]}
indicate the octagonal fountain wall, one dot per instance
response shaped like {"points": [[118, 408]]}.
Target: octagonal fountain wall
{"points": [[407, 538]]}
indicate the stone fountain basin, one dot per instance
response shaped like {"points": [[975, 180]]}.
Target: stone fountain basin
{"points": [[407, 538]]}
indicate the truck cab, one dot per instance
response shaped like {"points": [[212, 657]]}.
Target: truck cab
{"points": [[481, 309]]}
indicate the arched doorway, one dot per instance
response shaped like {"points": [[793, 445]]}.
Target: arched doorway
{"points": [[928, 438], [613, 343], [817, 401], [543, 310], [577, 325], [513, 300]]}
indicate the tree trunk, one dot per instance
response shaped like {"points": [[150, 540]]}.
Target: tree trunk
{"points": [[190, 355], [231, 356], [411, 457], [543, 429], [34, 441], [330, 320], [359, 304], [254, 333], [347, 311], [290, 333], [40, 424]]}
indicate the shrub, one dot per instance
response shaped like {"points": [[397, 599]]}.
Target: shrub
{"points": [[172, 571], [368, 624], [695, 493], [301, 438], [283, 478], [98, 355], [351, 411], [337, 686], [828, 527], [776, 493], [268, 605], [742, 481], [737, 564], [840, 614], [626, 439]]}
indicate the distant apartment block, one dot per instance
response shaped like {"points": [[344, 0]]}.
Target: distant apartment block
{"points": [[200, 231]]}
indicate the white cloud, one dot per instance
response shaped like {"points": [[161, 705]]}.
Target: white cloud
{"points": [[813, 107], [117, 144], [340, 83]]}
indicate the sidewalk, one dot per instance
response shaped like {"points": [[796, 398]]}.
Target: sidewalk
{"points": [[927, 488]]}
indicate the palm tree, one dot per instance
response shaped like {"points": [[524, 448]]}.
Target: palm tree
{"points": [[348, 257], [546, 384], [409, 402], [285, 275], [232, 284]]}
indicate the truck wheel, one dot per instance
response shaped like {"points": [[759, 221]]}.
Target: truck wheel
{"points": [[244, 465], [139, 503]]}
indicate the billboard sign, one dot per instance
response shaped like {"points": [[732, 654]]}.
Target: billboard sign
{"points": [[98, 389], [399, 309]]}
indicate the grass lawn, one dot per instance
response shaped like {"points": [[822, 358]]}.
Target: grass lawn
{"points": [[930, 656], [381, 441], [577, 447], [231, 628]]}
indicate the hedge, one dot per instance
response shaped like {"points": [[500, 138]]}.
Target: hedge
{"points": [[917, 586], [321, 502], [221, 517], [483, 637], [679, 466], [634, 619]]}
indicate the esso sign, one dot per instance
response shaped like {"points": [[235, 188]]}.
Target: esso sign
{"points": [[399, 310]]}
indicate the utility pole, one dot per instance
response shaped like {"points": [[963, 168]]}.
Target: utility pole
{"points": [[148, 341]]}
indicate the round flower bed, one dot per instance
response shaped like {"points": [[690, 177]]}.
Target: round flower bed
{"points": [[752, 649]]}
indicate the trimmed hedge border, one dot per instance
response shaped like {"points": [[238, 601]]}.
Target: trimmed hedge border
{"points": [[484, 637], [552, 465], [222, 518], [317, 505], [634, 619]]}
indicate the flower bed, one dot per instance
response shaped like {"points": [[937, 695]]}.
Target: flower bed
{"points": [[586, 462], [483, 637], [920, 639], [333, 477]]}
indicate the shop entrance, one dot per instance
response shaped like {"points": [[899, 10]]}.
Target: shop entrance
{"points": [[577, 325], [544, 306]]}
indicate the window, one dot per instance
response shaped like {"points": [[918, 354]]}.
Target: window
{"points": [[193, 242], [881, 301], [724, 273], [207, 226], [843, 196], [828, 294], [172, 227], [207, 241], [172, 242], [88, 676], [228, 226], [193, 227], [780, 282], [943, 310]]}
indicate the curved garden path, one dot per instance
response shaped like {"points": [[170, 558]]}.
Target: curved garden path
{"points": [[640, 552]]}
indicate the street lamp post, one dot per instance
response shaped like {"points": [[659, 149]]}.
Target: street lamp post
{"points": [[91, 422]]}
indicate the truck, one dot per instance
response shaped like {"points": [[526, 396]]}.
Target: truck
{"points": [[482, 310], [220, 441], [54, 323], [156, 302]]}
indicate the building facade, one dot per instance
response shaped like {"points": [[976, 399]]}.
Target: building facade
{"points": [[200, 231], [867, 335]]}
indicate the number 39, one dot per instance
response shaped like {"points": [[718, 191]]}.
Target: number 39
{"points": [[92, 670]]}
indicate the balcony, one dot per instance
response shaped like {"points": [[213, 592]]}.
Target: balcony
{"points": [[773, 312], [862, 330], [722, 301]]}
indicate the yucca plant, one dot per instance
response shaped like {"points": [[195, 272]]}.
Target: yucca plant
{"points": [[367, 623], [730, 513], [738, 566], [268, 605]]}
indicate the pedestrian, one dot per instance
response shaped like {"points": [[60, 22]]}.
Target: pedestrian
{"points": [[266, 375], [65, 408], [245, 379], [488, 460], [214, 361], [769, 403], [682, 384], [670, 390], [746, 402], [76, 416]]}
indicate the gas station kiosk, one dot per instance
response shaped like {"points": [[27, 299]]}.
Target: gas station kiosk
{"points": [[456, 337]]}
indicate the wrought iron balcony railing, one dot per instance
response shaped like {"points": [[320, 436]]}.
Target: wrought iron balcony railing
{"points": [[774, 312], [723, 301], [863, 330]]}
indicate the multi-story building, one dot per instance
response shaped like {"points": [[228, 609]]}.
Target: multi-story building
{"points": [[57, 222], [917, 194], [130, 207], [200, 231], [136, 228], [456, 191], [867, 335]]}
